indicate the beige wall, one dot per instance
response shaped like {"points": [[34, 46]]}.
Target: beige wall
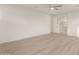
{"points": [[18, 23]]}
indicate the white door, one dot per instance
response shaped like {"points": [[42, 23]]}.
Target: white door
{"points": [[63, 25]]}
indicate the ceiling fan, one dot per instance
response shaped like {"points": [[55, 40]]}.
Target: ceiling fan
{"points": [[55, 6]]}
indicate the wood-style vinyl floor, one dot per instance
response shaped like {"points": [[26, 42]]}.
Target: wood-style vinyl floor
{"points": [[49, 44]]}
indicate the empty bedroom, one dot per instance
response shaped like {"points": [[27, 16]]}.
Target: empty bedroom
{"points": [[39, 29]]}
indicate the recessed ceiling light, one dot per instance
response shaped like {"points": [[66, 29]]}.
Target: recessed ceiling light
{"points": [[52, 8]]}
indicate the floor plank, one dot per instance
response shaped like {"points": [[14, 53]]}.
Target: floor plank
{"points": [[42, 45]]}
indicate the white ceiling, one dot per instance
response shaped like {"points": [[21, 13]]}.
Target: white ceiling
{"points": [[46, 7]]}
